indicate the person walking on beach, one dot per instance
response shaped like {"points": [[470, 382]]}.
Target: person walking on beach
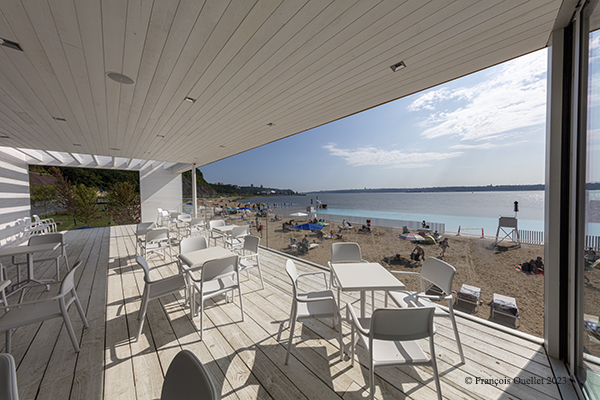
{"points": [[444, 245]]}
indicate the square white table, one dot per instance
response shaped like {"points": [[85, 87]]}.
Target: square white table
{"points": [[225, 230], [29, 251], [364, 277]]}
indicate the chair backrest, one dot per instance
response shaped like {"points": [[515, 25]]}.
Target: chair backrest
{"points": [[292, 272], [439, 273], [345, 252], [184, 217], [8, 378], [68, 283], [251, 243], [402, 324], [157, 234], [187, 379], [198, 221], [36, 218], [45, 239], [144, 264], [216, 222], [142, 228], [192, 244], [219, 267], [239, 231]]}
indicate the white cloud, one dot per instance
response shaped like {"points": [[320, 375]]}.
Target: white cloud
{"points": [[388, 158], [512, 99]]}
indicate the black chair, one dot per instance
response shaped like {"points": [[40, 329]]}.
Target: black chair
{"points": [[187, 379]]}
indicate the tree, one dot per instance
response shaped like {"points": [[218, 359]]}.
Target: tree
{"points": [[44, 195], [124, 203], [65, 195], [86, 200]]}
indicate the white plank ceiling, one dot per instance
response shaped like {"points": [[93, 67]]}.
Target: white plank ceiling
{"points": [[296, 64]]}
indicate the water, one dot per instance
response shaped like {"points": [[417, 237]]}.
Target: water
{"points": [[465, 209]]}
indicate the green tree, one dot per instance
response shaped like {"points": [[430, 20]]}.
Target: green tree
{"points": [[86, 200], [124, 203], [44, 195], [65, 195]]}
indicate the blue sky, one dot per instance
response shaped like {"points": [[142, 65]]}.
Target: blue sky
{"points": [[485, 128]]}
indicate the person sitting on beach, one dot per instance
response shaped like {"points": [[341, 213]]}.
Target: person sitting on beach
{"points": [[417, 254], [305, 241], [320, 235], [538, 266], [405, 229], [444, 245]]}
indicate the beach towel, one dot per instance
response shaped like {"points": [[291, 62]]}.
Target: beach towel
{"points": [[506, 307], [469, 293]]}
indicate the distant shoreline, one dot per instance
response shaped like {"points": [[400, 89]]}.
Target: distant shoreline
{"points": [[489, 188]]}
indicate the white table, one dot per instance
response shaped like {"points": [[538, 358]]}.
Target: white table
{"points": [[363, 277], [225, 230], [29, 251]]}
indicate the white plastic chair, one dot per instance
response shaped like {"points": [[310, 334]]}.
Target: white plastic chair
{"points": [[140, 235], [439, 274], [217, 278], [235, 241], [390, 337], [8, 378], [198, 225], [44, 309], [214, 234], [187, 379], [153, 289], [184, 224], [188, 245], [345, 253], [311, 305], [45, 239], [157, 241], [249, 257]]}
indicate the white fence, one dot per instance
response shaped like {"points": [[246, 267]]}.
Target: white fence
{"points": [[384, 223], [537, 238]]}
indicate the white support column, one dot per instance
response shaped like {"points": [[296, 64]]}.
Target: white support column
{"points": [[194, 192]]}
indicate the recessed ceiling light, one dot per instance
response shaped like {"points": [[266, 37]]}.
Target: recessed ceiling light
{"points": [[59, 119], [160, 136], [120, 78], [270, 124], [10, 44], [398, 66], [222, 146], [4, 137], [114, 148], [76, 144], [190, 100]]}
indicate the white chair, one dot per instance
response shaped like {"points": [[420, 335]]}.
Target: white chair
{"points": [[44, 309], [187, 379], [439, 274], [157, 241], [159, 217], [214, 234], [140, 235], [188, 245], [249, 257], [345, 253], [184, 224], [311, 305], [8, 378], [219, 276], [153, 289], [46, 239], [198, 225], [390, 336], [235, 241]]}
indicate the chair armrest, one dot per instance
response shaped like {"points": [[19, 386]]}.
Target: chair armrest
{"points": [[405, 273], [29, 303], [305, 300], [355, 320], [434, 297], [315, 273]]}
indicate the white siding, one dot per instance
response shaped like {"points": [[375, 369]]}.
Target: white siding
{"points": [[14, 190], [159, 188]]}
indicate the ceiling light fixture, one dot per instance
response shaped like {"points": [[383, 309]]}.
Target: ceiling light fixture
{"points": [[190, 100], [160, 136], [76, 144], [10, 44], [120, 78], [4, 137], [222, 146], [114, 148], [270, 124], [59, 119], [398, 66]]}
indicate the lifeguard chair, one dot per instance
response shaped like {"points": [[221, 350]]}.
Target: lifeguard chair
{"points": [[509, 228]]}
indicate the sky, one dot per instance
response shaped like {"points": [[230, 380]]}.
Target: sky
{"points": [[485, 128]]}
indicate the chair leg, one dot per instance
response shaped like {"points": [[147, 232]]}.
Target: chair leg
{"points": [[260, 274], [70, 330], [142, 316], [372, 377], [292, 327], [339, 318], [352, 346], [67, 258], [80, 310], [58, 268], [8, 340], [460, 350], [241, 304], [438, 387]]}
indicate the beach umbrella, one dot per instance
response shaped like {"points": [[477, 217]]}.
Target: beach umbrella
{"points": [[298, 214], [413, 237], [308, 227], [245, 208]]}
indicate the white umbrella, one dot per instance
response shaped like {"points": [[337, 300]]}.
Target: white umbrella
{"points": [[298, 214]]}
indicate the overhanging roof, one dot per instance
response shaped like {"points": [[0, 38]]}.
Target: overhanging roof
{"points": [[246, 65]]}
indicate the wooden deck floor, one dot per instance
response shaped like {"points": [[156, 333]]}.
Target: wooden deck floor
{"points": [[244, 358]]}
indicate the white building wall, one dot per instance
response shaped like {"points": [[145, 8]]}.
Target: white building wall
{"points": [[14, 190], [159, 188]]}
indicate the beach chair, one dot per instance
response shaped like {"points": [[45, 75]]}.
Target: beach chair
{"points": [[506, 306], [469, 294]]}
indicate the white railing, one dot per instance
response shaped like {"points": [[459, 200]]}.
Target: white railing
{"points": [[536, 238], [383, 222]]}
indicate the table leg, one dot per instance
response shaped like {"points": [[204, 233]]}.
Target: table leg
{"points": [[363, 303]]}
